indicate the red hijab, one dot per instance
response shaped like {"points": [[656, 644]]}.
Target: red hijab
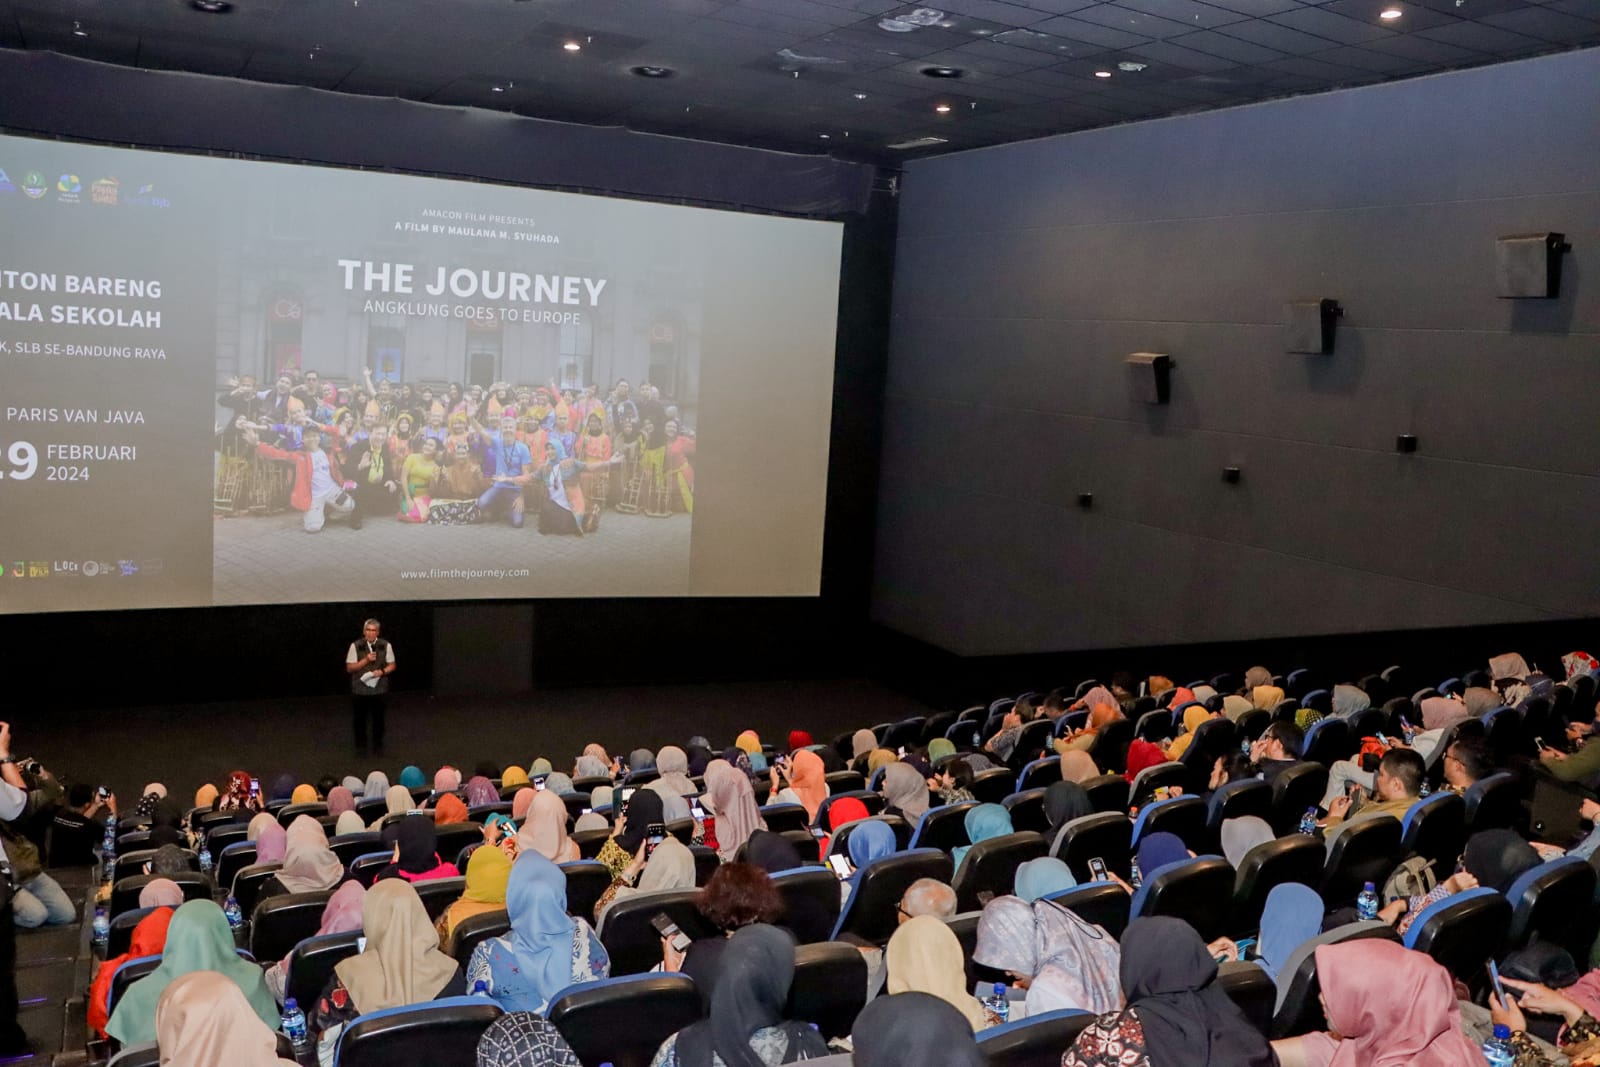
{"points": [[149, 938], [799, 739], [842, 812]]}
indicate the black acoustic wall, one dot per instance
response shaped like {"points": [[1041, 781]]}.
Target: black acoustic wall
{"points": [[1026, 273]]}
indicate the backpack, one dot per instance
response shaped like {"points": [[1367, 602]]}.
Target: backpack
{"points": [[1413, 878]]}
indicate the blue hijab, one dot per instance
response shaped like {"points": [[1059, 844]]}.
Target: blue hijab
{"points": [[1292, 916], [872, 839], [1043, 876], [982, 823], [533, 962], [412, 778], [1160, 850]]}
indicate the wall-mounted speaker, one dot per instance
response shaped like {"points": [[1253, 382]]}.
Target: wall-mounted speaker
{"points": [[1150, 377], [1406, 443], [1309, 326], [1231, 475], [1086, 501], [1528, 265]]}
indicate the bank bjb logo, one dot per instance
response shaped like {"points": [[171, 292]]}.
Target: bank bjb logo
{"points": [[6, 185], [67, 188], [105, 191], [33, 184]]}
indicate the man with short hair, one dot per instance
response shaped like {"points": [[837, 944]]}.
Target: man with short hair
{"points": [[1397, 785], [77, 827], [927, 896], [1276, 750], [369, 663], [1004, 743], [377, 477], [1467, 760], [511, 469]]}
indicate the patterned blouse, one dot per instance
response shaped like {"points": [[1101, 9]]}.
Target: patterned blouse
{"points": [[590, 963], [1580, 1042], [1115, 1039]]}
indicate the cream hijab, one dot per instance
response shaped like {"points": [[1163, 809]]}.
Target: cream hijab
{"points": [[671, 866], [397, 801], [402, 963], [202, 1020], [308, 865], [924, 957], [545, 830]]}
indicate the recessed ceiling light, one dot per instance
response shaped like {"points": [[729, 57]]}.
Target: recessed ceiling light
{"points": [[78, 30], [1131, 67], [943, 72], [1389, 14], [943, 109], [573, 46], [825, 136], [653, 72], [1102, 74], [859, 96], [212, 7]]}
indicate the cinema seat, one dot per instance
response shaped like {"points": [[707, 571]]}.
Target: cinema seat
{"points": [[438, 894], [474, 930], [1147, 781], [1027, 810], [1039, 773], [1197, 890], [365, 868], [125, 894], [1108, 835], [1294, 791], [312, 961], [1435, 827], [622, 1021], [587, 882], [1296, 858], [1251, 989], [1299, 1009], [1248, 796], [1493, 803], [1036, 1041], [781, 817], [1184, 816], [993, 786], [1360, 851], [1104, 904], [281, 922], [630, 940], [1462, 931], [1554, 902], [830, 986], [811, 902], [871, 912], [438, 1032], [989, 867], [233, 859], [1107, 793], [943, 827]]}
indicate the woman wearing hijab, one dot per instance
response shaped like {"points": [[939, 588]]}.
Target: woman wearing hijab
{"points": [[808, 785], [514, 776], [670, 865], [1043, 877], [862, 744], [591, 767], [202, 1020], [872, 840], [1160, 850], [1387, 1006], [416, 852], [341, 915], [1177, 1013], [271, 839], [559, 784], [349, 823], [1349, 701], [546, 950], [1242, 834], [488, 870], [480, 791], [1094, 698], [539, 768], [982, 822], [1292, 916], [449, 810], [1265, 697], [924, 956], [149, 938], [522, 802], [733, 805], [205, 798], [746, 1027], [523, 1039], [282, 788], [198, 939], [1193, 716], [401, 965], [626, 843], [412, 777], [771, 852], [905, 792], [673, 764], [304, 793], [1078, 767], [641, 759], [841, 812], [1441, 713], [1062, 961], [799, 739], [545, 829], [914, 1030], [1497, 858], [1064, 801], [749, 743], [700, 755], [397, 801], [340, 800], [308, 865], [377, 785], [1100, 716]]}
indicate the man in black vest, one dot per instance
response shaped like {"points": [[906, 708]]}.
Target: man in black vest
{"points": [[369, 663]]}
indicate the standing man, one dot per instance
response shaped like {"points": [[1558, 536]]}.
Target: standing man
{"points": [[13, 802], [369, 663]]}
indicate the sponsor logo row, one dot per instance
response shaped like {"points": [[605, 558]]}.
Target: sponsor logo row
{"points": [[70, 189]]}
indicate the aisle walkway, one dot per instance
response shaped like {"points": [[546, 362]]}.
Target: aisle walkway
{"points": [[53, 972]]}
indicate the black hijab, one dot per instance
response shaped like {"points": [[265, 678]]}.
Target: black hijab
{"points": [[699, 756], [419, 844], [644, 808], [1496, 858], [748, 994], [771, 852], [1170, 981], [1063, 802], [913, 1030]]}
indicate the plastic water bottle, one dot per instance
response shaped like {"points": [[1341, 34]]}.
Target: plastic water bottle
{"points": [[234, 913], [1497, 1050], [1308, 822], [480, 988], [294, 1024], [1367, 902], [997, 1002], [1135, 876], [102, 928], [1425, 791], [205, 859], [108, 845]]}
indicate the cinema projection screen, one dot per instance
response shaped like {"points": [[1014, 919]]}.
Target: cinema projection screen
{"points": [[229, 382]]}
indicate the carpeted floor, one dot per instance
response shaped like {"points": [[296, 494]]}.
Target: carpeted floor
{"points": [[189, 744]]}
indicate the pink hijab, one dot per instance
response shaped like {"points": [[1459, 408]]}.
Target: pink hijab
{"points": [[342, 913], [1440, 713], [446, 779], [340, 800], [1393, 1007], [522, 801], [271, 842], [734, 802]]}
